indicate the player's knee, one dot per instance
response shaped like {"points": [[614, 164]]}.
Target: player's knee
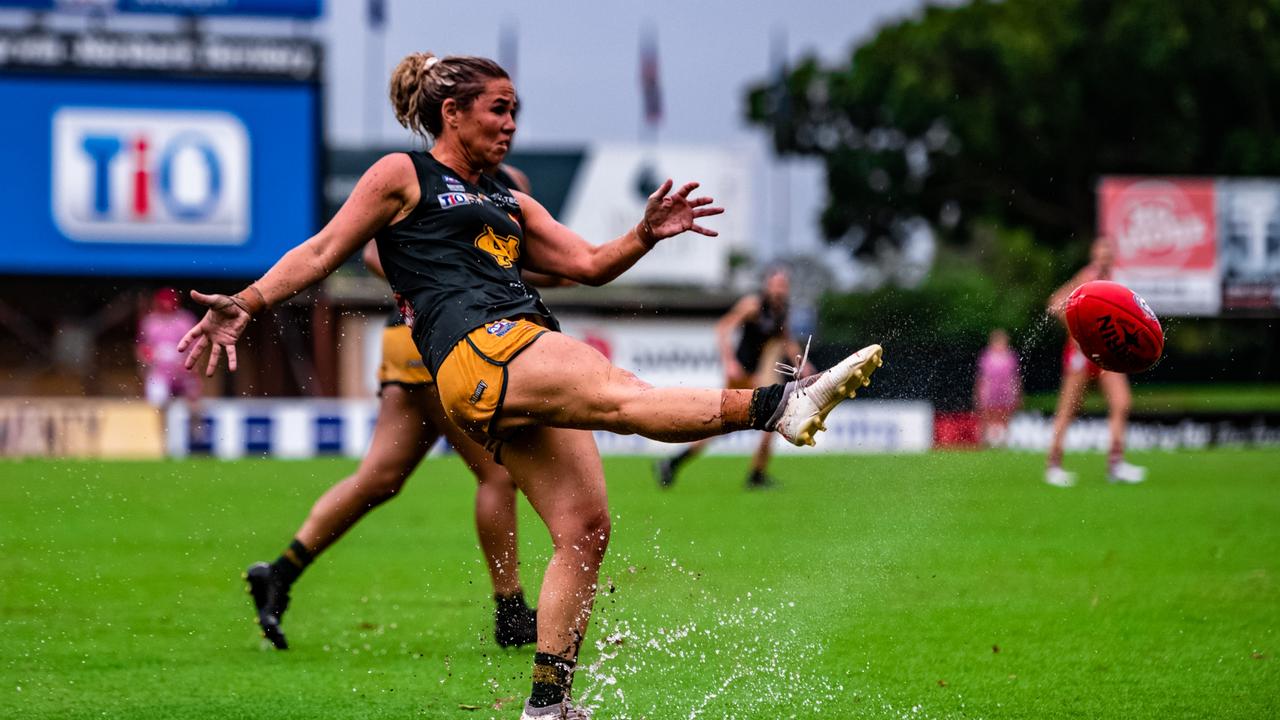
{"points": [[491, 476], [379, 485], [587, 534], [626, 398]]}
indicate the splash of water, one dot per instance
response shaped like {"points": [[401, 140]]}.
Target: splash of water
{"points": [[749, 658]]}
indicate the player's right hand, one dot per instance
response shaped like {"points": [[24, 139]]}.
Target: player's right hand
{"points": [[216, 332]]}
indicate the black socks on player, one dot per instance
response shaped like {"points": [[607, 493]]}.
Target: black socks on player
{"points": [[511, 605], [552, 679], [291, 562], [680, 458], [765, 402]]}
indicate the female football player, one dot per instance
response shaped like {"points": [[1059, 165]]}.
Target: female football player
{"points": [[1077, 371], [453, 242]]}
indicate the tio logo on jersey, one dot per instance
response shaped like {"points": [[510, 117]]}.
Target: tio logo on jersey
{"points": [[150, 176]]}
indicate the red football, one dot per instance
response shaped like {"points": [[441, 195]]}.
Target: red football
{"points": [[1114, 327]]}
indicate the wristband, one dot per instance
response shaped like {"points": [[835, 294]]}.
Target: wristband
{"points": [[250, 300], [645, 235]]}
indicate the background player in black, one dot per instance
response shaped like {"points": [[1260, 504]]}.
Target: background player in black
{"points": [[540, 392], [759, 322]]}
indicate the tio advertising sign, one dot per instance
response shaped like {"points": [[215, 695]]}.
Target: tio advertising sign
{"points": [[173, 177], [150, 175], [1166, 242]]}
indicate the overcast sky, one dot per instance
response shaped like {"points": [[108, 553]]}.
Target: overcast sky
{"points": [[578, 75], [577, 70]]}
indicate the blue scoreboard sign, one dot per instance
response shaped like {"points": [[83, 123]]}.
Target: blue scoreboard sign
{"points": [[135, 177], [277, 8]]}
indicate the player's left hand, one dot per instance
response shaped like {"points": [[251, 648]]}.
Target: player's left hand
{"points": [[217, 332], [667, 213]]}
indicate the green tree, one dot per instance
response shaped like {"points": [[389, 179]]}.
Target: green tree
{"points": [[1007, 113]]}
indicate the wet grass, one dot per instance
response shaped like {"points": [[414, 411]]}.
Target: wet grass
{"points": [[1178, 399], [943, 585]]}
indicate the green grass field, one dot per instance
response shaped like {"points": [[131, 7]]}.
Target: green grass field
{"points": [[949, 585], [1176, 399]]}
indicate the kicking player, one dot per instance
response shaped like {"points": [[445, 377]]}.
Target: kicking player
{"points": [[453, 242]]}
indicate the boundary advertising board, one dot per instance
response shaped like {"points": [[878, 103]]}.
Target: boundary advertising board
{"points": [[1196, 246]]}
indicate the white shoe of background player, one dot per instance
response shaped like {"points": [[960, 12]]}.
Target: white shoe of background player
{"points": [[1058, 477], [807, 402], [1126, 474]]}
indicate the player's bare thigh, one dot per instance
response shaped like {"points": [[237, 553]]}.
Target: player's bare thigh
{"points": [[1115, 386], [403, 432], [563, 382]]}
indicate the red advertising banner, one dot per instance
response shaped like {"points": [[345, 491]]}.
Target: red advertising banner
{"points": [[1166, 237]]}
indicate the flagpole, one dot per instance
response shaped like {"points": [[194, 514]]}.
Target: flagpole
{"points": [[509, 48], [780, 243], [374, 54], [650, 85]]}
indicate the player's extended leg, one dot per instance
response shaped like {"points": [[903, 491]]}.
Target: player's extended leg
{"points": [[1115, 386], [561, 382], [401, 437], [1074, 382], [515, 623], [560, 472]]}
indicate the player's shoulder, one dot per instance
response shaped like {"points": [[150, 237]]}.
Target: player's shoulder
{"points": [[397, 162]]}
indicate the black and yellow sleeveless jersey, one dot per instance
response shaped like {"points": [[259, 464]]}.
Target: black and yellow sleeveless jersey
{"points": [[769, 324], [456, 259]]}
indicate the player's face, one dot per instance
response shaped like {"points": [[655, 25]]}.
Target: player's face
{"points": [[778, 287], [1103, 252], [487, 127]]}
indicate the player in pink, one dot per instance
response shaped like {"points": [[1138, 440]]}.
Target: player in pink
{"points": [[164, 375], [997, 392], [1077, 371]]}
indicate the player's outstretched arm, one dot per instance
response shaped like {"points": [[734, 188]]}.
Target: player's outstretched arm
{"points": [[554, 249], [382, 196], [1058, 300]]}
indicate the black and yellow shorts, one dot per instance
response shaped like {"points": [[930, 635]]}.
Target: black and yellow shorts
{"points": [[473, 377], [401, 362]]}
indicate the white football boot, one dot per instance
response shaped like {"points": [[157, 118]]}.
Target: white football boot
{"points": [[1125, 474], [1058, 477], [565, 710], [807, 402]]}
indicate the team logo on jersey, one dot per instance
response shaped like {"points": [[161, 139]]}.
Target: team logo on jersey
{"points": [[505, 250], [499, 328], [453, 183], [455, 199]]}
